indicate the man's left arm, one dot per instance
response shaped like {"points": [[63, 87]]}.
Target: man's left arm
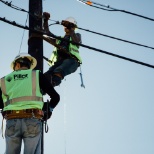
{"points": [[47, 87]]}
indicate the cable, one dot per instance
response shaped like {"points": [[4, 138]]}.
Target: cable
{"points": [[23, 35], [20, 9], [86, 46], [112, 37], [108, 8], [119, 39], [57, 22], [13, 6]]}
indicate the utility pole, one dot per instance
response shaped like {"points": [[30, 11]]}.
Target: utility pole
{"points": [[35, 45]]}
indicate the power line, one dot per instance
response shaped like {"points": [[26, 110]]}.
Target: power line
{"points": [[86, 46], [23, 10], [119, 39], [13, 6], [57, 22], [112, 37], [108, 8]]}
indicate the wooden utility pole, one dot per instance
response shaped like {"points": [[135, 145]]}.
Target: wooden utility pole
{"points": [[35, 45]]}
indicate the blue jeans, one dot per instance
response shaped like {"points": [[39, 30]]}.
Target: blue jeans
{"points": [[63, 67], [28, 130]]}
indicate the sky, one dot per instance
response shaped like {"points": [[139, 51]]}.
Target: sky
{"points": [[114, 113]]}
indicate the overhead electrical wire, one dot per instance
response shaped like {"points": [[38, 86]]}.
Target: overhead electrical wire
{"points": [[23, 10], [108, 8], [119, 39], [86, 46], [13, 6], [57, 22], [112, 37], [54, 36]]}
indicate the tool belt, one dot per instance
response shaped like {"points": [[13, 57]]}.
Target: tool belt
{"points": [[19, 114]]}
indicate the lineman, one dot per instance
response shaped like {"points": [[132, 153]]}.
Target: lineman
{"points": [[22, 102], [65, 58]]}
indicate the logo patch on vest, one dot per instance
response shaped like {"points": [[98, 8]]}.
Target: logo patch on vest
{"points": [[20, 76], [9, 78]]}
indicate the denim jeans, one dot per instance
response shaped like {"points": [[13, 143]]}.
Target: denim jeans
{"points": [[64, 67], [26, 130]]}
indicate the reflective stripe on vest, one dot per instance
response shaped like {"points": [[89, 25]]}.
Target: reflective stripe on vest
{"points": [[75, 50], [33, 83], [23, 98]]}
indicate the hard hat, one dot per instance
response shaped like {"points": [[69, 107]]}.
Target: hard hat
{"points": [[72, 20], [22, 56]]}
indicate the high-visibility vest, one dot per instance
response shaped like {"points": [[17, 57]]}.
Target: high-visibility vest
{"points": [[21, 90], [73, 50]]}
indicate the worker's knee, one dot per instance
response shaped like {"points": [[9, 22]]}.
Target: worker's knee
{"points": [[56, 79]]}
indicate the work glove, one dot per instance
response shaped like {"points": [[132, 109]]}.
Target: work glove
{"points": [[47, 111], [46, 16], [67, 24]]}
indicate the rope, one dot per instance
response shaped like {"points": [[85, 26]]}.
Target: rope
{"points": [[79, 44], [65, 142], [65, 118]]}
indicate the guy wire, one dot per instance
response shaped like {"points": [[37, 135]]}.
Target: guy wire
{"points": [[23, 35]]}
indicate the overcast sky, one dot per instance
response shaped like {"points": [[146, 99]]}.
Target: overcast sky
{"points": [[114, 113]]}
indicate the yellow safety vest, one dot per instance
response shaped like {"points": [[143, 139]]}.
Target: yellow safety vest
{"points": [[73, 50], [20, 90]]}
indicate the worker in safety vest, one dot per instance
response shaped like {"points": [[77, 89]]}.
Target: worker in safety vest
{"points": [[21, 102], [65, 58]]}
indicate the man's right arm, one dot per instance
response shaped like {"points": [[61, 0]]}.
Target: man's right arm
{"points": [[50, 40]]}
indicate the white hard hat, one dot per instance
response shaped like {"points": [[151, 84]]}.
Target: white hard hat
{"points": [[72, 20], [25, 55]]}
